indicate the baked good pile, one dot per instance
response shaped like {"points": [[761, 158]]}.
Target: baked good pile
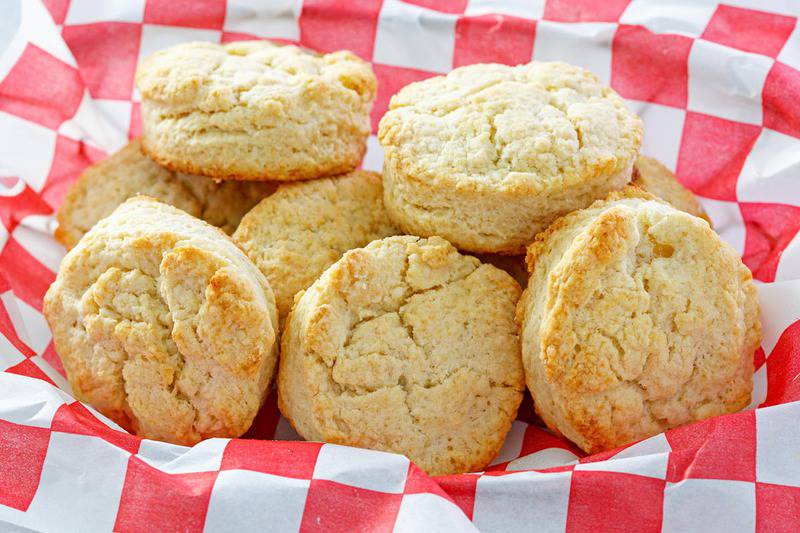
{"points": [[236, 245]]}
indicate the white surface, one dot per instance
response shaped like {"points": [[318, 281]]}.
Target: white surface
{"points": [[276, 19], [279, 502], [414, 37], [74, 494], [87, 11], [771, 172], [727, 219], [26, 150], [429, 512], [522, 502], [725, 82], [709, 505], [778, 443], [385, 472], [527, 9], [587, 45]]}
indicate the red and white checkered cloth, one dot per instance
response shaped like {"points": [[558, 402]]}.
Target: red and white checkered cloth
{"points": [[718, 86]]}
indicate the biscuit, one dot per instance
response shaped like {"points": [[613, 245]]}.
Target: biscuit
{"points": [[637, 318], [128, 172], [164, 325], [302, 229], [650, 175], [489, 155], [409, 347], [253, 110]]}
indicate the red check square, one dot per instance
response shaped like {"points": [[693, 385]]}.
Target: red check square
{"points": [[280, 458], [22, 453], [41, 88], [106, 53], [135, 129], [584, 10], [331, 506], [418, 482], [783, 367], [175, 502], [759, 358], [70, 159], [29, 369], [51, 357], [749, 30], [493, 39], [719, 448], [453, 7], [329, 25], [206, 14], [58, 9], [780, 96], [663, 79], [537, 439], [777, 508], [461, 488], [29, 279], [769, 228], [14, 208], [712, 153], [637, 502], [77, 419], [7, 328]]}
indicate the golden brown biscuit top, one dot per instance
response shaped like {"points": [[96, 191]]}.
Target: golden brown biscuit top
{"points": [[530, 128], [164, 325], [213, 77], [640, 318], [412, 325]]}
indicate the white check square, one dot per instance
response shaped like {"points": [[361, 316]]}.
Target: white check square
{"points": [[366, 469], [88, 11], [586, 45], [684, 17], [663, 129], [81, 485], [727, 83], [527, 9], [26, 150], [519, 502], [156, 37], [414, 37], [276, 19], [728, 221], [770, 172], [778, 441], [709, 505], [272, 503]]}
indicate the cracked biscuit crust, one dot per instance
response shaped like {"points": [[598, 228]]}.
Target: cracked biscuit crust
{"points": [[253, 110], [164, 325], [637, 318], [128, 172], [405, 346], [650, 175], [489, 155], [302, 229]]}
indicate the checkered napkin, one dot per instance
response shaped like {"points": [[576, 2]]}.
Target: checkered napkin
{"points": [[718, 87]]}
